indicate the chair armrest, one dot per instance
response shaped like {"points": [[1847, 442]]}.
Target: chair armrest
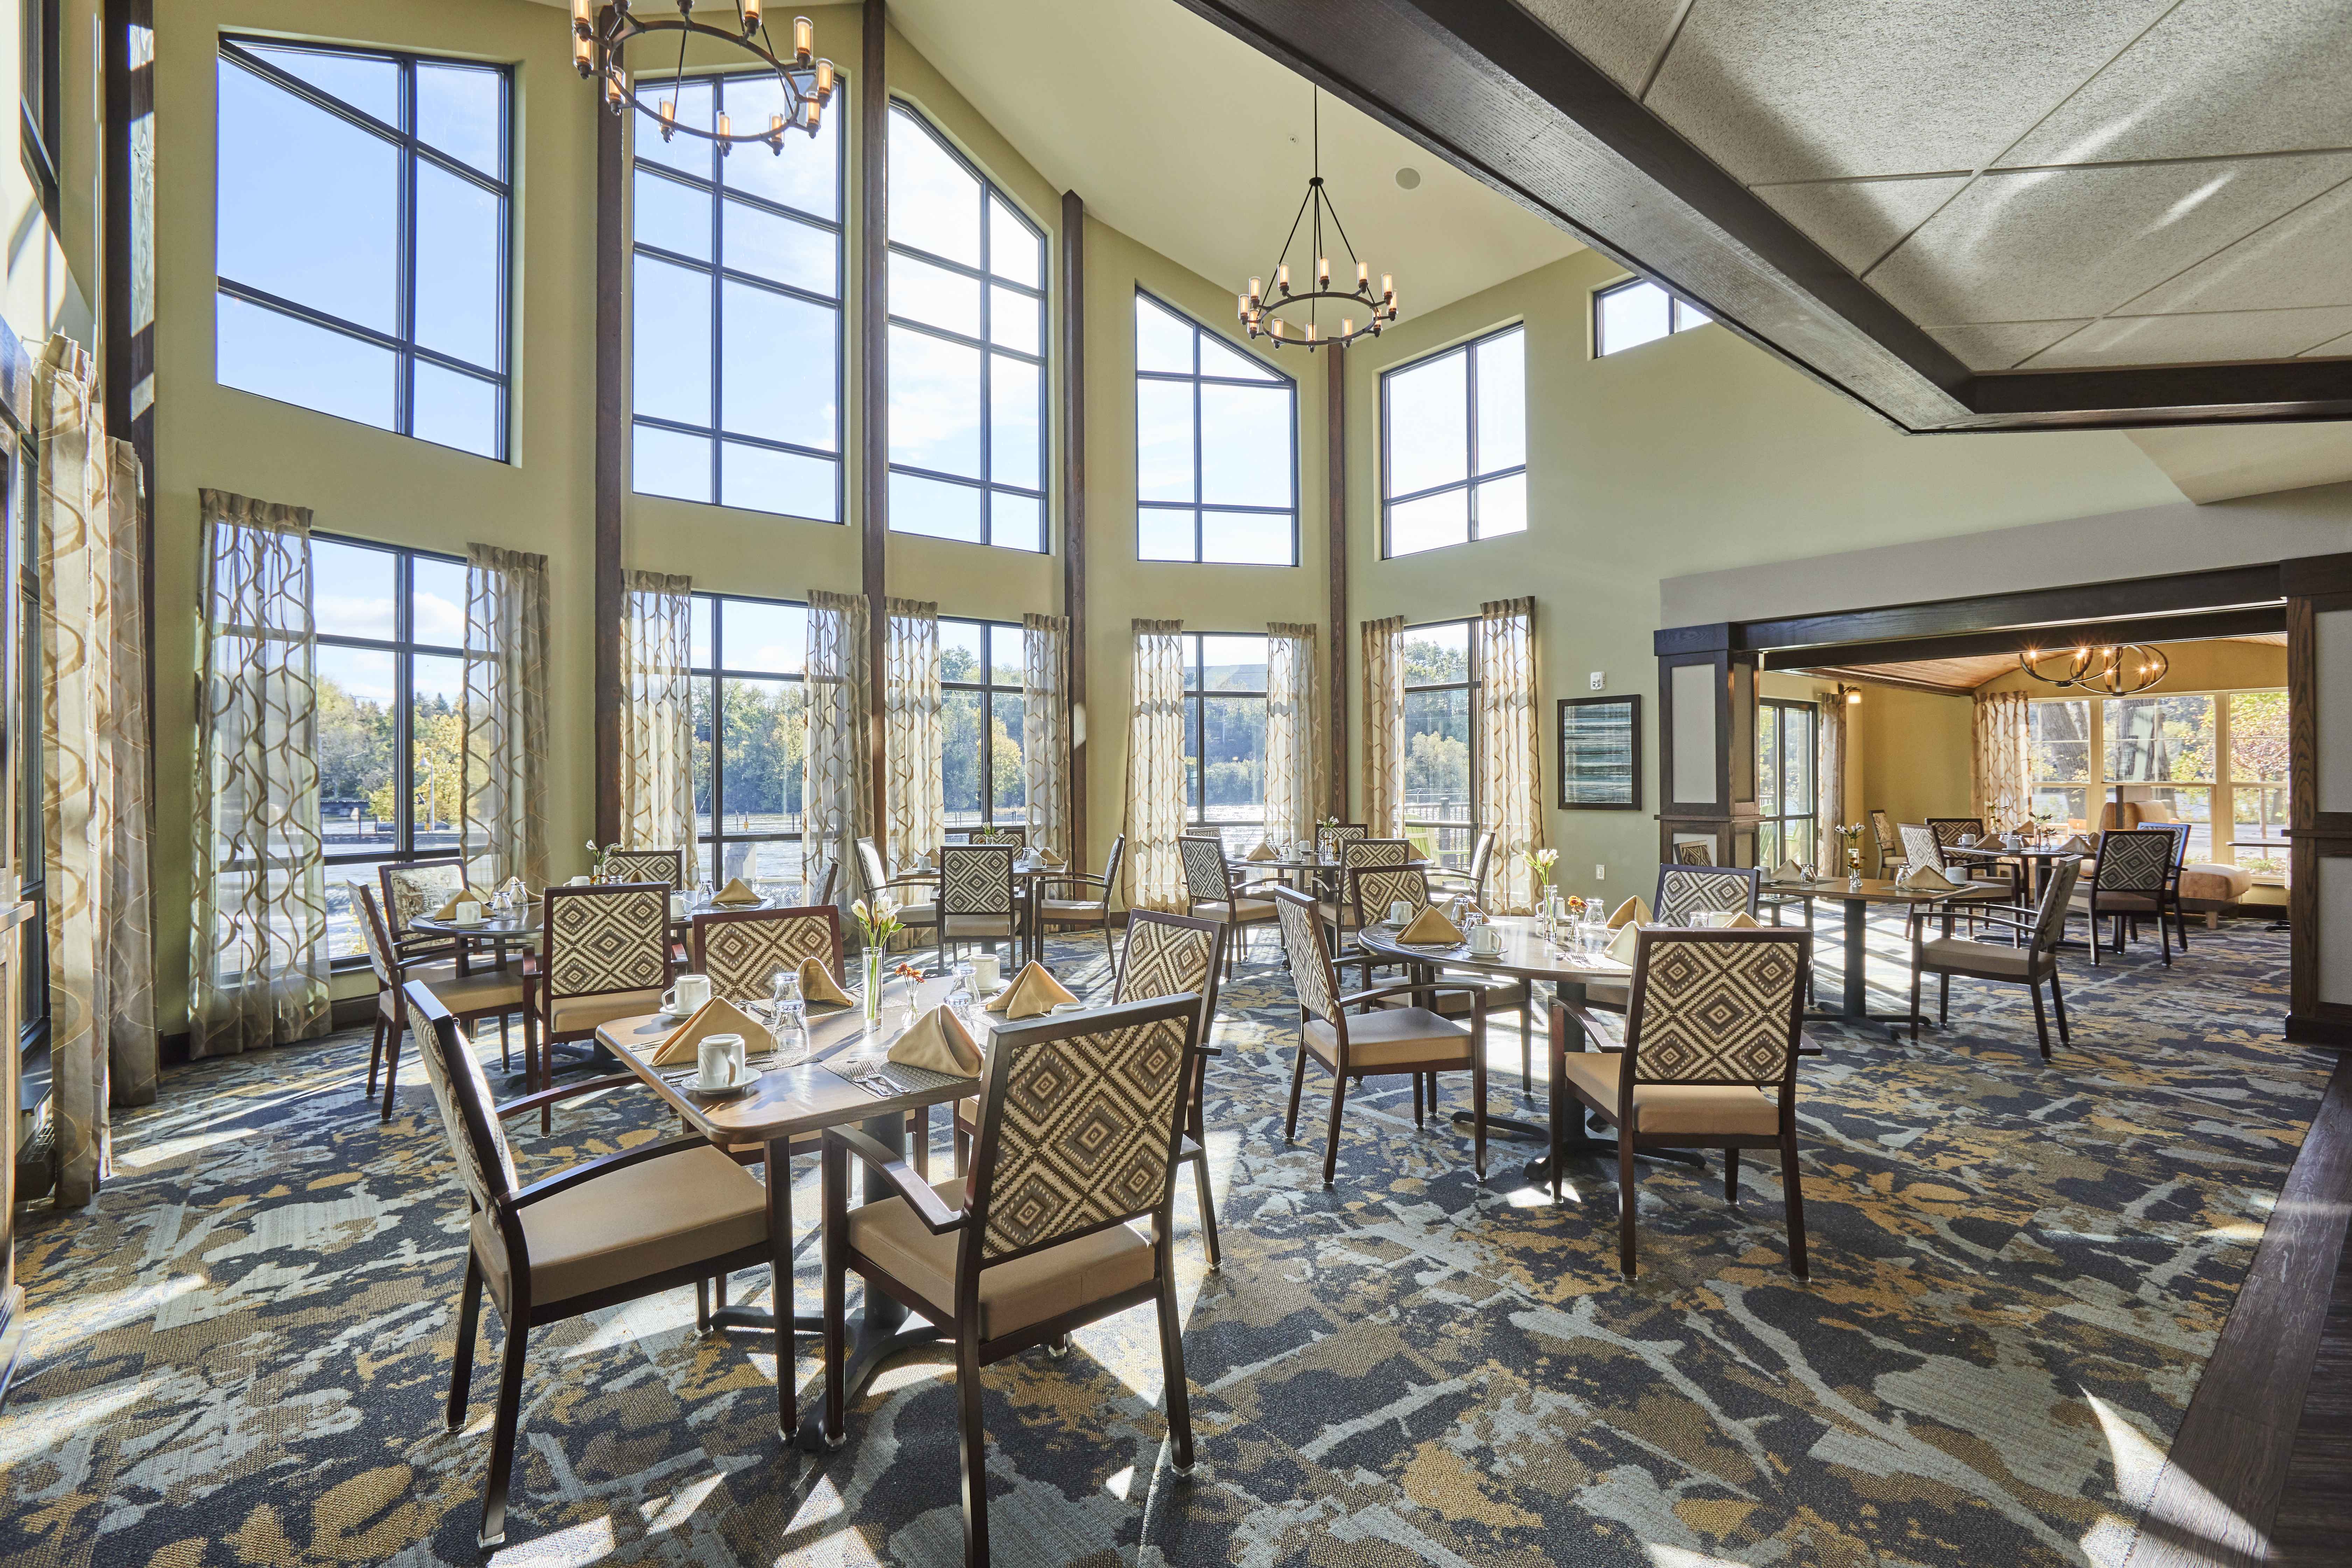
{"points": [[565, 1181], [568, 1091], [937, 1217], [1591, 1020], [1074, 879], [1208, 1050], [913, 879], [1407, 988]]}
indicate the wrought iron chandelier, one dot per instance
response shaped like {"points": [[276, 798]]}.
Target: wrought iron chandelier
{"points": [[2122, 671], [1261, 314], [599, 43]]}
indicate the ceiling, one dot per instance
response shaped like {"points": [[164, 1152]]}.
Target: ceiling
{"points": [[2040, 183], [1966, 674]]}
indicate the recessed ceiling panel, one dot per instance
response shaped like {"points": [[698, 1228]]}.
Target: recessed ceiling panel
{"points": [[1622, 37], [2002, 346], [2303, 259], [2181, 340], [1858, 221]]}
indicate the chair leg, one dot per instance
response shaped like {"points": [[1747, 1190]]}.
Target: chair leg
{"points": [[505, 1061], [1418, 1120], [836, 1162], [1171, 1374], [1477, 1105], [1208, 1212], [962, 1149], [2164, 937], [1731, 1175], [469, 1325], [702, 1306], [502, 1439], [2058, 1002], [1331, 1136], [973, 1445], [1625, 1201], [396, 1027], [2041, 1020], [1298, 1083], [1791, 1186], [1528, 1047], [1943, 1001], [375, 1052], [1915, 995]]}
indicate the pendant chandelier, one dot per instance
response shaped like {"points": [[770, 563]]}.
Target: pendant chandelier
{"points": [[1288, 316], [2122, 671], [599, 47]]}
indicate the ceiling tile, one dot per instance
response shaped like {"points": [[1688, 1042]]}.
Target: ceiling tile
{"points": [[2335, 349], [2301, 260], [2080, 242], [1802, 90], [1857, 221], [2000, 345], [2180, 340], [2215, 76], [1620, 36]]}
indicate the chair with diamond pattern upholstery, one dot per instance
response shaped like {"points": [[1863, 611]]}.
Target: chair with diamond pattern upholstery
{"points": [[916, 893], [1375, 887], [1339, 910], [1329, 835], [2136, 875], [1210, 893], [1016, 836], [470, 995], [606, 955], [1708, 1059], [1470, 883], [1056, 911], [416, 888], [741, 950], [976, 895], [1891, 857], [666, 866], [1081, 1119]]}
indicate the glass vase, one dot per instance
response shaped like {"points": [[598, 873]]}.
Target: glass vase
{"points": [[870, 998]]}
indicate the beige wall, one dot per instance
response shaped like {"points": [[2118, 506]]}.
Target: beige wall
{"points": [[1918, 754]]}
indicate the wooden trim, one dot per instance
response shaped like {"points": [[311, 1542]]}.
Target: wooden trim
{"points": [[2243, 392], [874, 376], [129, 347], [613, 402], [1335, 482], [2302, 723], [1074, 505], [2018, 639], [2317, 574]]}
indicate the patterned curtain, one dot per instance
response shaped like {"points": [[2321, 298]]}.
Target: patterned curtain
{"points": [[257, 971], [95, 808], [1511, 782], [1293, 734], [839, 777], [656, 712], [1046, 730], [1829, 782], [1383, 802], [1155, 769], [2004, 773], [503, 807], [911, 731]]}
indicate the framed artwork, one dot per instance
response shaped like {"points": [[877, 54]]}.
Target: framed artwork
{"points": [[1601, 753]]}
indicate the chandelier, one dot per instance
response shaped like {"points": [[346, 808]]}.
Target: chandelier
{"points": [[2122, 671], [1262, 314], [599, 45]]}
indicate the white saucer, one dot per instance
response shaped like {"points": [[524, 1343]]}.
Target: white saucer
{"points": [[737, 1092]]}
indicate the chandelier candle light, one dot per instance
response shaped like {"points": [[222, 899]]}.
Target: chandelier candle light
{"points": [[599, 45], [1261, 313], [2119, 672]]}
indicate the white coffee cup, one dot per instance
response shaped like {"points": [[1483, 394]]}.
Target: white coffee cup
{"points": [[1400, 913], [470, 913], [720, 1061], [691, 992], [577, 882], [677, 906], [986, 970], [1486, 941]]}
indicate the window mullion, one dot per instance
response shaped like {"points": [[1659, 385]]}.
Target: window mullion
{"points": [[404, 411]]}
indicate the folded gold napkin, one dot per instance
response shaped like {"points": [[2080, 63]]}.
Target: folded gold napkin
{"points": [[1792, 872], [1927, 879], [448, 912], [1263, 850], [1620, 946], [736, 892], [1742, 921], [1051, 861], [2079, 845], [1632, 912], [1034, 992], [714, 1016], [817, 983], [938, 1042], [1428, 927]]}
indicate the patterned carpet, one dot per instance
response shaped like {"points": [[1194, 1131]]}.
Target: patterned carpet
{"points": [[238, 1355]]}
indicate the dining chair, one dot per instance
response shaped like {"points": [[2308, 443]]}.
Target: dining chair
{"points": [[617, 1228], [1065, 911], [415, 888], [1210, 893], [1081, 1121], [1409, 1040], [1327, 834], [1707, 1058], [2179, 831], [1891, 858], [2032, 965], [1948, 832], [976, 897], [488, 994], [1685, 891], [1337, 911], [741, 950], [915, 912], [1694, 852], [666, 866], [606, 955], [1016, 836], [2135, 877], [1470, 882], [1373, 890]]}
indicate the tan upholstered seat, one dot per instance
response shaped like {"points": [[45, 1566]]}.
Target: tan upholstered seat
{"points": [[1982, 960], [1389, 1034], [570, 1014], [638, 1221], [1075, 908], [1222, 910], [1013, 1295], [1698, 1109], [465, 994], [980, 925]]}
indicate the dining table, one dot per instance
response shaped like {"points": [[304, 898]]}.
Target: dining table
{"points": [[1858, 894], [846, 1081]]}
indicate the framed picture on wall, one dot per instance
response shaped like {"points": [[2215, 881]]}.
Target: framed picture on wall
{"points": [[1601, 753]]}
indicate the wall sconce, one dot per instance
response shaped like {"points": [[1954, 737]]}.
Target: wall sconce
{"points": [[1852, 694]]}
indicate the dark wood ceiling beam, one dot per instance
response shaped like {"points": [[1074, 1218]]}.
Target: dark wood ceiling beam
{"points": [[1853, 656]]}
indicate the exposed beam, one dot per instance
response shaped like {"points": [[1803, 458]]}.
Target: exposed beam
{"points": [[1486, 87], [1335, 482], [2021, 640], [1074, 507], [612, 459], [874, 375]]}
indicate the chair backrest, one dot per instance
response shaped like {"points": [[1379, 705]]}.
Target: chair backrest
{"points": [[975, 879], [2057, 894], [1716, 1006], [2179, 831], [486, 1166], [1685, 891], [1882, 828], [869, 862], [418, 887], [832, 880], [1207, 877], [1482, 859], [1355, 854], [1694, 852], [1950, 830], [1169, 956], [2135, 861], [1920, 847], [607, 938], [1374, 887], [371, 932], [1079, 1117], [741, 950], [1327, 833], [1110, 864], [1311, 975], [1016, 836], [666, 866]]}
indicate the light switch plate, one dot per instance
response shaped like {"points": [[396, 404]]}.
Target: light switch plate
{"points": [[1599, 680], [1600, 873]]}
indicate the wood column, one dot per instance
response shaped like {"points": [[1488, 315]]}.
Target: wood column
{"points": [[874, 375], [613, 400], [1706, 751], [1074, 506], [127, 289], [1334, 484], [2319, 797]]}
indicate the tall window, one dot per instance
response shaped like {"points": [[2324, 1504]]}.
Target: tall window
{"points": [[37, 141], [1454, 445], [1627, 315], [361, 238], [736, 292], [392, 714], [1224, 730], [1440, 683], [2059, 759], [967, 350], [2215, 761], [1786, 789], [750, 735], [980, 724], [1216, 447], [24, 733]]}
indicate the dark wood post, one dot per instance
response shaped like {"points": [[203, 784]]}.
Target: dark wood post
{"points": [[873, 373], [612, 399], [1073, 504], [1335, 482]]}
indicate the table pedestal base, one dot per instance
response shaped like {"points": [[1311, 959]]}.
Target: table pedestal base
{"points": [[1505, 1126], [879, 1337]]}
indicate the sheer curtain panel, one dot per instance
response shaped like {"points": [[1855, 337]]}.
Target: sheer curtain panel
{"points": [[1155, 768], [1046, 730], [1383, 802], [505, 798], [656, 712], [1294, 745], [839, 778], [2003, 765], [910, 716], [94, 802], [258, 972], [1510, 784], [1829, 783]]}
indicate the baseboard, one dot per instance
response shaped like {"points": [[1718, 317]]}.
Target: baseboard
{"points": [[2333, 1033]]}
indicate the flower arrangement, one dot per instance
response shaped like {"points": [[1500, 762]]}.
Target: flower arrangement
{"points": [[1539, 863], [600, 856], [877, 923], [1850, 835]]}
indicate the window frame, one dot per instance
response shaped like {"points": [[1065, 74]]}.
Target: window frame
{"points": [[1197, 378], [988, 484], [720, 193], [718, 672], [41, 80], [236, 49], [1811, 815], [1472, 476], [1676, 306], [1468, 686], [989, 689], [2101, 788], [1196, 710]]}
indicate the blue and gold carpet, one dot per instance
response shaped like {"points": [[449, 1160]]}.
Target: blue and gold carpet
{"points": [[238, 1353]]}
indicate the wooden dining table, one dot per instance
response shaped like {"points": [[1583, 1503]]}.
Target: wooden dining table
{"points": [[845, 1081], [1858, 896]]}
